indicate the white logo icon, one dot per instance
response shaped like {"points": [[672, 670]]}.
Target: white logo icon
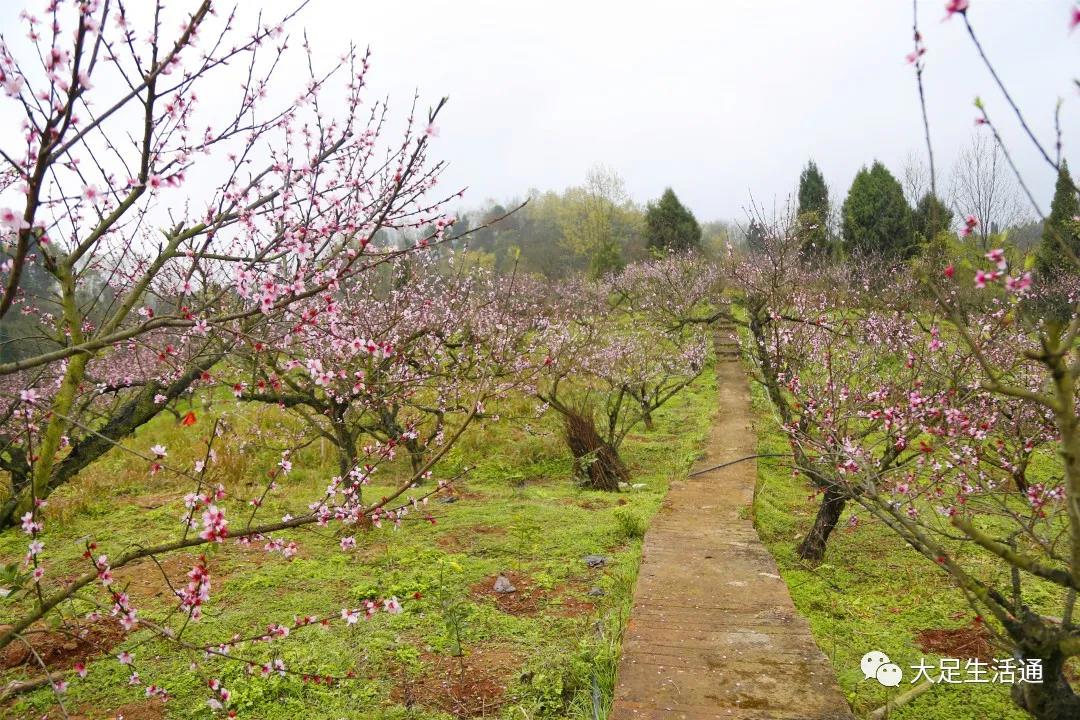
{"points": [[875, 664]]}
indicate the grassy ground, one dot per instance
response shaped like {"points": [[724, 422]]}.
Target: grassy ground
{"points": [[549, 651], [871, 593]]}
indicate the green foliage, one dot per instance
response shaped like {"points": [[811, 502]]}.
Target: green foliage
{"points": [[632, 523], [931, 217], [671, 226], [876, 218], [813, 193], [813, 212], [1062, 229], [598, 220], [606, 258]]}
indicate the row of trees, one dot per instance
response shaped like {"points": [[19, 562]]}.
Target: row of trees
{"points": [[284, 289], [313, 267], [594, 228], [948, 415], [941, 399], [881, 215]]}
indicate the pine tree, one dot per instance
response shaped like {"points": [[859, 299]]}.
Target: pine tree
{"points": [[931, 217], [875, 216], [1061, 229], [813, 214], [670, 226], [756, 236]]}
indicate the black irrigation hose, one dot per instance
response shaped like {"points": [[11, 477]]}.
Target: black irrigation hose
{"points": [[733, 462]]}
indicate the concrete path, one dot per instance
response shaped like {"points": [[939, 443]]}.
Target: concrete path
{"points": [[713, 632]]}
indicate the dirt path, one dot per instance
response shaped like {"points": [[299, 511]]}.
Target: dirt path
{"points": [[713, 632]]}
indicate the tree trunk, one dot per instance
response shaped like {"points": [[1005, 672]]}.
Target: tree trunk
{"points": [[1053, 698], [346, 450], [812, 548], [135, 413], [595, 460], [646, 417], [416, 457]]}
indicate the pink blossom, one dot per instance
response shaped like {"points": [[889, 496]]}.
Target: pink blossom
{"points": [[13, 84], [214, 524], [125, 658], [970, 223], [29, 525], [955, 6], [12, 220], [1018, 285]]}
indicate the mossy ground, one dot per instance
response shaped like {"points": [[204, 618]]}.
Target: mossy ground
{"points": [[519, 511]]}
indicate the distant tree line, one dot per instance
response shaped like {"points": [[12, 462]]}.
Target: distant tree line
{"points": [[883, 217], [594, 229]]}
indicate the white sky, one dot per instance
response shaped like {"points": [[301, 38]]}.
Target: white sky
{"points": [[716, 99]]}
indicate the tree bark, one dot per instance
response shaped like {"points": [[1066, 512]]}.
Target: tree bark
{"points": [[596, 461], [812, 548], [135, 413], [1053, 698]]}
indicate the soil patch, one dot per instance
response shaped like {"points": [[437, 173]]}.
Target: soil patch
{"points": [[972, 641], [587, 503], [458, 539], [525, 600], [147, 579], [151, 709], [472, 686], [60, 648], [571, 604]]}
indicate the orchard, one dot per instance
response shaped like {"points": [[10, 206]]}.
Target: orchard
{"points": [[294, 422]]}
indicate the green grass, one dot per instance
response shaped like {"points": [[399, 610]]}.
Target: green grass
{"points": [[520, 512]]}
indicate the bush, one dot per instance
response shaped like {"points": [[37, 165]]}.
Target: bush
{"points": [[632, 524]]}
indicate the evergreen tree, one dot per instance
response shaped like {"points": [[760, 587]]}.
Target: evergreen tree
{"points": [[1061, 229], [875, 216], [931, 217], [670, 226], [756, 236], [813, 214]]}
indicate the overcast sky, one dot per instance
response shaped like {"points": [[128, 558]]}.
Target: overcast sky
{"points": [[719, 100], [716, 99]]}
